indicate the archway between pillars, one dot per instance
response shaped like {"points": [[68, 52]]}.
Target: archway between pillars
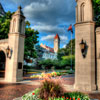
{"points": [[2, 64]]}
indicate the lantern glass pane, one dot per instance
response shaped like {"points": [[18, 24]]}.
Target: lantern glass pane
{"points": [[82, 46]]}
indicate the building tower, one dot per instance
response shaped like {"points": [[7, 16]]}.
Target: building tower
{"points": [[2, 12], [16, 43], [56, 43], [85, 57]]}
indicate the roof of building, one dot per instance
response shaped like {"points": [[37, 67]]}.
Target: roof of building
{"points": [[57, 37], [47, 48]]}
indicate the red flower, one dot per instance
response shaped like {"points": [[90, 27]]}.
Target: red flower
{"points": [[33, 93], [66, 97], [73, 98], [78, 99], [63, 97]]}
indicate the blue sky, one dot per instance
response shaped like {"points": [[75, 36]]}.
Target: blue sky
{"points": [[47, 16]]}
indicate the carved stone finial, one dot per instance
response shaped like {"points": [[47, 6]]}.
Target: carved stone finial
{"points": [[19, 7]]}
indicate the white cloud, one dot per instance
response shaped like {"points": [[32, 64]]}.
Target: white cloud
{"points": [[50, 12], [48, 37], [63, 38], [64, 45], [49, 29]]}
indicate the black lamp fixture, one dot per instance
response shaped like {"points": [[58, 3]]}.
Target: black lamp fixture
{"points": [[9, 52], [83, 48]]}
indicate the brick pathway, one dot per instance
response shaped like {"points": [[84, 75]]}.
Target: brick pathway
{"points": [[11, 91]]}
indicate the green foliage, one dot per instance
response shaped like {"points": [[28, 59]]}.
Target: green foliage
{"points": [[57, 98], [76, 95], [31, 37], [4, 25], [57, 64], [96, 6], [67, 60], [30, 96], [50, 88], [46, 64], [67, 50]]}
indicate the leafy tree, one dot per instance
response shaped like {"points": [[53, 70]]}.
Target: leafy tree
{"points": [[67, 50], [31, 37], [96, 6], [4, 25], [48, 63]]}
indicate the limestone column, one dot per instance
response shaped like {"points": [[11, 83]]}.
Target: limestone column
{"points": [[98, 56], [16, 43], [85, 29]]}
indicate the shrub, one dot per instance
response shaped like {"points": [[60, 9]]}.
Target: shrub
{"points": [[46, 64], [50, 88]]}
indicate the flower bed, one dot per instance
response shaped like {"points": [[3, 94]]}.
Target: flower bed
{"points": [[34, 95], [52, 74], [51, 89]]}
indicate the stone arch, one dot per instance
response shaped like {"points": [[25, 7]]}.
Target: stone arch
{"points": [[2, 63], [82, 14]]}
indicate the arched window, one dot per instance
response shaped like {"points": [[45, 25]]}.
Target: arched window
{"points": [[82, 12], [14, 25], [21, 26]]}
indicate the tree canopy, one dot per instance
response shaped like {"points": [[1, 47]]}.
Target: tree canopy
{"points": [[67, 50], [4, 25], [31, 38], [96, 6]]}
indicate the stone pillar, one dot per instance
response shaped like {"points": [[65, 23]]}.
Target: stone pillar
{"points": [[98, 56], [85, 29], [16, 43]]}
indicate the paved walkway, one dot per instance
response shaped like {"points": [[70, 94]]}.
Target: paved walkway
{"points": [[12, 91]]}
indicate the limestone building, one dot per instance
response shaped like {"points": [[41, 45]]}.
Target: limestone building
{"points": [[56, 43], [87, 50], [12, 49]]}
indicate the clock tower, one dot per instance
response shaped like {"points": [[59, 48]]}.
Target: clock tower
{"points": [[56, 43]]}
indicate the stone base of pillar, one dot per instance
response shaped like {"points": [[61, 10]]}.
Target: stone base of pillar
{"points": [[87, 87]]}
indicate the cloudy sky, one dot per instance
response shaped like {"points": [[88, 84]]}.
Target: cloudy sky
{"points": [[47, 16]]}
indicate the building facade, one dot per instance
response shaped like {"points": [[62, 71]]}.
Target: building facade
{"points": [[48, 53]]}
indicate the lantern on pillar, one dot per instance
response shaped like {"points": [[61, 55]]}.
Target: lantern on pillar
{"points": [[9, 52], [83, 47]]}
